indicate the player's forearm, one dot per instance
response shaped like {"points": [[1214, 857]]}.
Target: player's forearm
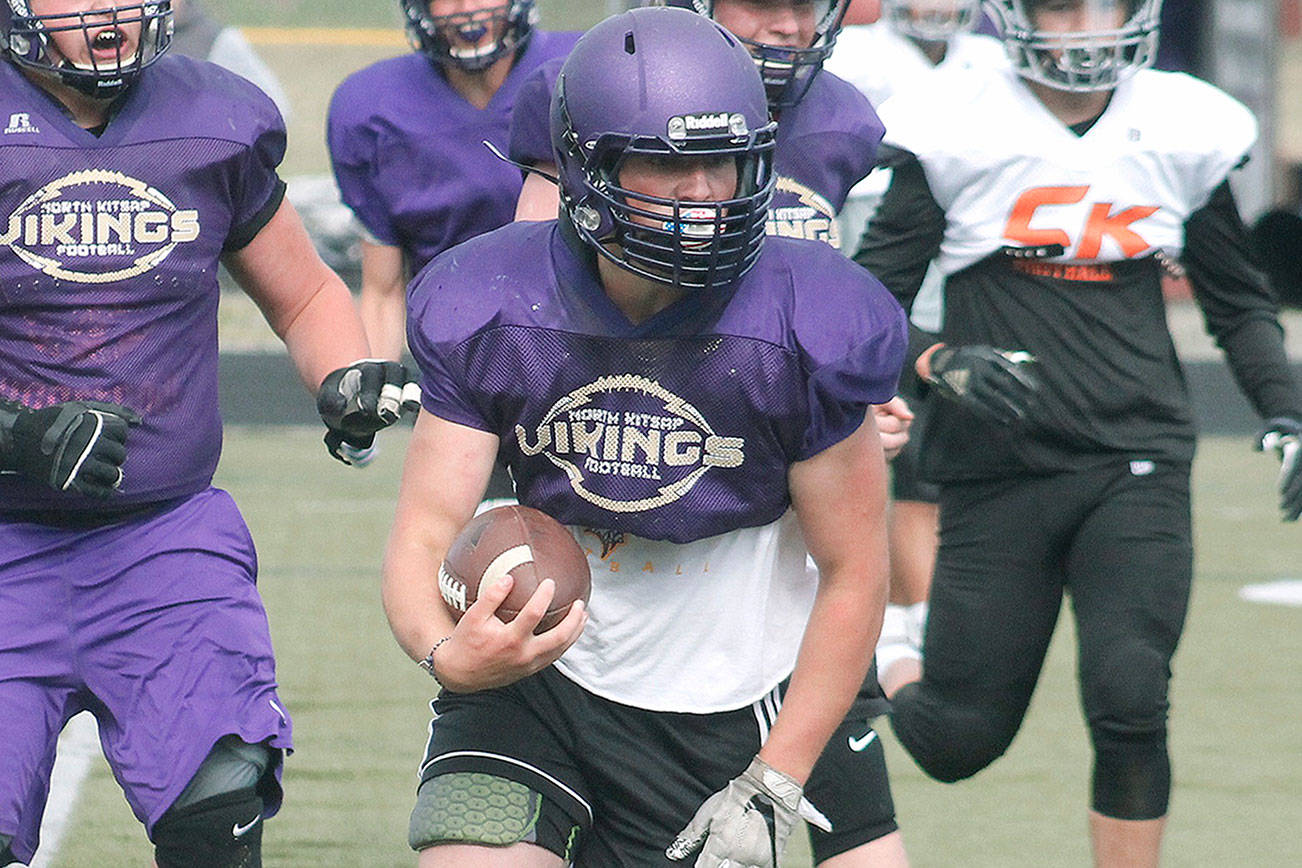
{"points": [[834, 659], [445, 476], [326, 334], [383, 311], [1256, 355], [410, 594]]}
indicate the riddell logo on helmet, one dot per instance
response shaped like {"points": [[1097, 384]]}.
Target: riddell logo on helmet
{"points": [[708, 124], [121, 226]]}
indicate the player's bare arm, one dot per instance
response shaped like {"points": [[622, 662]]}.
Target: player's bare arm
{"points": [[383, 301], [839, 495], [306, 304], [447, 471], [311, 310]]}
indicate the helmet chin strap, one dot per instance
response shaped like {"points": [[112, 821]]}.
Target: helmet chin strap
{"points": [[521, 166], [74, 76]]}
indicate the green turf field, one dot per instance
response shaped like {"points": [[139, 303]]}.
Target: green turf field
{"points": [[360, 716]]}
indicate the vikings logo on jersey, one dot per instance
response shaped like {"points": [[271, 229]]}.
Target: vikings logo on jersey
{"points": [[627, 444], [799, 212], [97, 226]]}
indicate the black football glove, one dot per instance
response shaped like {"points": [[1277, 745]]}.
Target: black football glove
{"points": [[75, 446], [1282, 435], [998, 385], [356, 401]]}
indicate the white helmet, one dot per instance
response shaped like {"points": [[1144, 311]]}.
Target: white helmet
{"points": [[1108, 40], [930, 20]]}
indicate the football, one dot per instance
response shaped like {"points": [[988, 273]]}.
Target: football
{"points": [[525, 544]]}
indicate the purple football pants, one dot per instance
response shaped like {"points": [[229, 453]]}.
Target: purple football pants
{"points": [[156, 627]]}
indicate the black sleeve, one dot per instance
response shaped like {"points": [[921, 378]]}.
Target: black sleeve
{"points": [[1240, 311], [903, 237], [243, 234]]}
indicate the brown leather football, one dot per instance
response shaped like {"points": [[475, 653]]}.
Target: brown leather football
{"points": [[521, 542]]}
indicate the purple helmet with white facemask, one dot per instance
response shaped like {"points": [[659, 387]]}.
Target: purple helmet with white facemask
{"points": [[787, 71], [666, 83], [28, 41], [428, 33]]}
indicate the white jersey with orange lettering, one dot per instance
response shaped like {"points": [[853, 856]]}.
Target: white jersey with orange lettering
{"points": [[1122, 190], [1053, 239]]}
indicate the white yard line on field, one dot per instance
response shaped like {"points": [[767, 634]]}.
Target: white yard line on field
{"points": [[1284, 592]]}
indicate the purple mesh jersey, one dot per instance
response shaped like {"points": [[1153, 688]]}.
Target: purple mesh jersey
{"points": [[408, 151], [826, 145], [678, 428], [108, 261]]}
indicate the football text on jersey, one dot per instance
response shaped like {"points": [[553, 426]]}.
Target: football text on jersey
{"points": [[813, 218], [97, 226], [627, 444], [1100, 222]]}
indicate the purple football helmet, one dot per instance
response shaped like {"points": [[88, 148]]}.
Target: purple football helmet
{"points": [[428, 33], [662, 83], [787, 72], [28, 42]]}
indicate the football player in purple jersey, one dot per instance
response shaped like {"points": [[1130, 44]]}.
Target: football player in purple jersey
{"points": [[1052, 197], [827, 131], [827, 138], [127, 580], [826, 143], [690, 396], [406, 140]]}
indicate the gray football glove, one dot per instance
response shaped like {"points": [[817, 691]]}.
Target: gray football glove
{"points": [[746, 824], [358, 400], [75, 446], [1282, 435], [999, 385]]}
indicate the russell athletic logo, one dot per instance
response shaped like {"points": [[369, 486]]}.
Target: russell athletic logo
{"points": [[627, 444], [97, 218], [21, 122]]}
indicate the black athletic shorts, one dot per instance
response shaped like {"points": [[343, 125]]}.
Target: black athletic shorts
{"points": [[619, 783]]}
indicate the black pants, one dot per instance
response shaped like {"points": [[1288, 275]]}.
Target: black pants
{"points": [[1117, 540]]}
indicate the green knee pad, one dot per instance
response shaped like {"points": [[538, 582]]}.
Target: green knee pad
{"points": [[473, 808]]}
